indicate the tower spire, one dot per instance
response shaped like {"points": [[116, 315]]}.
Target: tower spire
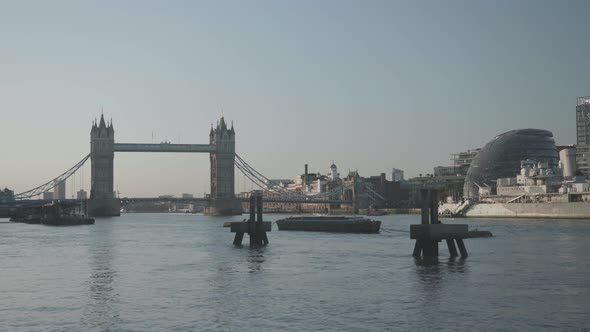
{"points": [[102, 122]]}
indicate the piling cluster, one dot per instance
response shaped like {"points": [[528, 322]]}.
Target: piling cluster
{"points": [[255, 227], [431, 231]]}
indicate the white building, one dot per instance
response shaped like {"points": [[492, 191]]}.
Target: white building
{"points": [[397, 175], [59, 192]]}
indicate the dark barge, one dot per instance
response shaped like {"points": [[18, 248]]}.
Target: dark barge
{"points": [[54, 214], [329, 224]]}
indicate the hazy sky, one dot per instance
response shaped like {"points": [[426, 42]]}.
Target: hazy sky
{"points": [[369, 84]]}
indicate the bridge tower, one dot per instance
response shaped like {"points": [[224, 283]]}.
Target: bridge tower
{"points": [[223, 198], [102, 197]]}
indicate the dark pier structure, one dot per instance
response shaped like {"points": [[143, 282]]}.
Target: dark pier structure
{"points": [[255, 227], [430, 232]]}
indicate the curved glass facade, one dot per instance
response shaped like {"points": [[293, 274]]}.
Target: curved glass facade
{"points": [[501, 157]]}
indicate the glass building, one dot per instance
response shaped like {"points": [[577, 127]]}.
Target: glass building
{"points": [[583, 121], [501, 157]]}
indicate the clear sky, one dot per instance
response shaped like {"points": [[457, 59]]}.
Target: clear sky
{"points": [[369, 84]]}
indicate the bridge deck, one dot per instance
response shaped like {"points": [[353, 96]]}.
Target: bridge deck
{"points": [[163, 147], [36, 202], [204, 199]]}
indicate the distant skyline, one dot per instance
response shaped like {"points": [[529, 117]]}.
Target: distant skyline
{"points": [[371, 85]]}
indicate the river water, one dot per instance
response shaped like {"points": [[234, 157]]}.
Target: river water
{"points": [[175, 272]]}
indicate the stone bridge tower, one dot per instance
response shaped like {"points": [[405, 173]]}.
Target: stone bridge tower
{"points": [[102, 197], [223, 198]]}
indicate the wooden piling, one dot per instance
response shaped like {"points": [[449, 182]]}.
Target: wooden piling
{"points": [[258, 207], [452, 248], [417, 249], [255, 227], [425, 200], [462, 248], [238, 238], [434, 207], [430, 232]]}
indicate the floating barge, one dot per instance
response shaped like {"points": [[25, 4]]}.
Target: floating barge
{"points": [[54, 214], [329, 224]]}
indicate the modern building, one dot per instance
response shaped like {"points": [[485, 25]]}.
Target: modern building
{"points": [[502, 156], [462, 160], [445, 171], [583, 135], [397, 175], [583, 121], [583, 159], [59, 192]]}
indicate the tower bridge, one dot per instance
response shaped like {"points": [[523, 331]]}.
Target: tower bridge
{"points": [[221, 149], [223, 161]]}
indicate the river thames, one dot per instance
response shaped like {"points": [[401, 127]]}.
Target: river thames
{"points": [[176, 272]]}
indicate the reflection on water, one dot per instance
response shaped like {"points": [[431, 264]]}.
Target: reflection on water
{"points": [[101, 294], [458, 265], [255, 259], [429, 267], [432, 273]]}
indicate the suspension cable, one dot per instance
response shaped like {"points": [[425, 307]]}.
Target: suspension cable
{"points": [[53, 183]]}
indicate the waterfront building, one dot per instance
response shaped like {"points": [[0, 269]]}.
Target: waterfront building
{"points": [[502, 156], [6, 195], [394, 192], [59, 192], [81, 194], [450, 188], [445, 171]]}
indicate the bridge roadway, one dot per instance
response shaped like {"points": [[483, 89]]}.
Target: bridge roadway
{"points": [[245, 200], [163, 147], [8, 210], [36, 202]]}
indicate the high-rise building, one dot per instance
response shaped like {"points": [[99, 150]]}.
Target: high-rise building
{"points": [[583, 135], [583, 121], [59, 192]]}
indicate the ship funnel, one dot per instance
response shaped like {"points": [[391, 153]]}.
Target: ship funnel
{"points": [[567, 157]]}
